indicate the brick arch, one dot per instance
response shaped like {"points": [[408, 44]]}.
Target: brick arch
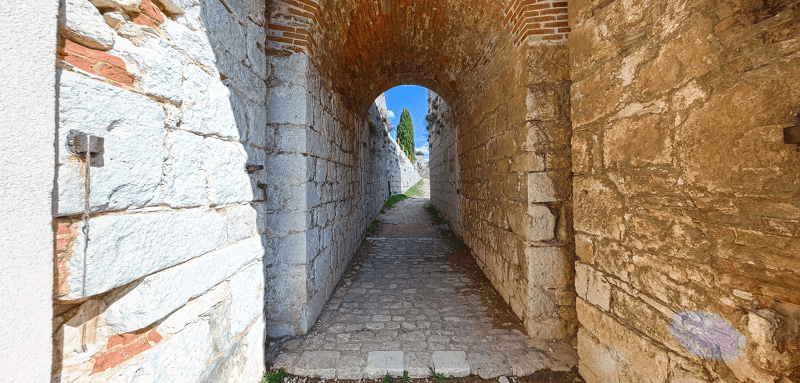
{"points": [[449, 46]]}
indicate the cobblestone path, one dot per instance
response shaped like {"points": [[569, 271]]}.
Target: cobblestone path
{"points": [[415, 304]]}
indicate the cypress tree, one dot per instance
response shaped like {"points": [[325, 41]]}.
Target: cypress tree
{"points": [[405, 134]]}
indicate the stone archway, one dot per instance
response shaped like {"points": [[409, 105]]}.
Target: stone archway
{"points": [[503, 69]]}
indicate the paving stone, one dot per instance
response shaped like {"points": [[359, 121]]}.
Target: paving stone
{"points": [[351, 366], [320, 364], [382, 363], [525, 362], [488, 365], [418, 364], [451, 363]]}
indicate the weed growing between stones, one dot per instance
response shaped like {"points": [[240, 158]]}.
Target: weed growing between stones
{"points": [[372, 228], [273, 377], [411, 192], [387, 379], [439, 377]]}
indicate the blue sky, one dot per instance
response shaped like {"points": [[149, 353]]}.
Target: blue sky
{"points": [[415, 99]]}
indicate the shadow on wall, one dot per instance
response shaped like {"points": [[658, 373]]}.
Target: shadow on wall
{"points": [[170, 284]]}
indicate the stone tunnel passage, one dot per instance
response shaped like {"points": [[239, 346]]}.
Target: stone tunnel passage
{"points": [[413, 299]]}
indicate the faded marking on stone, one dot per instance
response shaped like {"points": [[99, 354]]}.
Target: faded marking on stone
{"points": [[707, 335]]}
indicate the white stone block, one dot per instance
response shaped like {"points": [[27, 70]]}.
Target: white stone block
{"points": [[158, 64], [547, 266], [133, 128], [542, 223], [541, 188], [164, 292], [225, 163], [258, 134], [450, 363], [382, 363], [287, 104], [598, 291], [241, 222], [194, 45], [189, 313], [247, 297], [581, 279], [258, 59], [224, 30], [82, 22], [124, 248], [181, 358], [320, 364], [127, 5], [184, 182], [207, 107]]}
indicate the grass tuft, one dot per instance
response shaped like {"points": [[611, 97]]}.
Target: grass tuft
{"points": [[412, 192], [273, 377]]}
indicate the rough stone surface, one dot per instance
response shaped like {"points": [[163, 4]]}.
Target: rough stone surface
{"points": [[174, 268], [321, 364], [686, 203], [147, 302], [382, 363], [133, 128], [158, 66], [81, 21], [450, 363], [126, 5]]}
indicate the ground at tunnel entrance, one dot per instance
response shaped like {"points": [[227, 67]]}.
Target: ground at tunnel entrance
{"points": [[414, 300]]}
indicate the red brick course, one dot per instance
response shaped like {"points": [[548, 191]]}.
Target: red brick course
{"points": [[97, 62], [123, 347], [537, 18]]}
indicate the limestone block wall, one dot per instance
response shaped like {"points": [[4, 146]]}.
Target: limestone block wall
{"points": [[686, 202], [331, 172], [165, 279], [515, 207], [389, 160], [443, 161]]}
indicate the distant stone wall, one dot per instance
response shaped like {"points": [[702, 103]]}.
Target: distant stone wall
{"points": [[170, 283], [443, 162], [391, 164], [686, 197]]}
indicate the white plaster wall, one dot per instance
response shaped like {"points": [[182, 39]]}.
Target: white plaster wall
{"points": [[27, 121]]}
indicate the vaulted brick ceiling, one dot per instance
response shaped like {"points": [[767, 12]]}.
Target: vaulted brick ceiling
{"points": [[365, 47], [369, 46]]}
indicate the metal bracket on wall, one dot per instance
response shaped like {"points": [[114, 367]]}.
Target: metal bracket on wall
{"points": [[80, 144], [254, 168]]}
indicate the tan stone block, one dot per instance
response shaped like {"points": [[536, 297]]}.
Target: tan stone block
{"points": [[637, 141], [598, 208], [731, 143], [643, 361], [582, 150], [595, 97], [688, 56], [584, 249], [548, 267]]}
